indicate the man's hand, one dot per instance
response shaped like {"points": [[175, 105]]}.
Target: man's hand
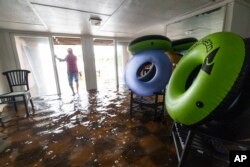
{"points": [[58, 58]]}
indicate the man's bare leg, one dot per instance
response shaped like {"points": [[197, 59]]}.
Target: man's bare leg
{"points": [[72, 88], [77, 87]]}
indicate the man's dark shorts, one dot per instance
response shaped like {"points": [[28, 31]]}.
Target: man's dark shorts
{"points": [[72, 76]]}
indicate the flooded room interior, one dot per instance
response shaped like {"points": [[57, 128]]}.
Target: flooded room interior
{"points": [[124, 83]]}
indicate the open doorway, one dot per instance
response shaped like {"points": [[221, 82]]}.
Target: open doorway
{"points": [[61, 44], [105, 64]]}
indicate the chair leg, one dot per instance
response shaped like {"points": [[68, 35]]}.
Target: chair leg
{"points": [[156, 106], [32, 105], [15, 105], [131, 104], [141, 98], [163, 105], [2, 124], [26, 105]]}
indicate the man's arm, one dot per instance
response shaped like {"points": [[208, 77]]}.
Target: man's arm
{"points": [[60, 59]]}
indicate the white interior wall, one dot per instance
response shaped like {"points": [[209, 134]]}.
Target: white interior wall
{"points": [[7, 59], [126, 55], [116, 64], [7, 53], [89, 62], [3, 87], [237, 18]]}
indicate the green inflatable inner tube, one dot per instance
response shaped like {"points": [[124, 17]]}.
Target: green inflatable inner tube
{"points": [[150, 42], [207, 79], [183, 44]]}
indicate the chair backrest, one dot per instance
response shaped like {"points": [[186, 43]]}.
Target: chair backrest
{"points": [[17, 78]]}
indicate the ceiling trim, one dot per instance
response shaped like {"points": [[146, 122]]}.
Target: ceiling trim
{"points": [[77, 10], [38, 16], [17, 22], [112, 14], [48, 34], [199, 11]]}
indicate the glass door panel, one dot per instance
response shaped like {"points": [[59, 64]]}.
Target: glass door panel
{"points": [[105, 64], [34, 54]]}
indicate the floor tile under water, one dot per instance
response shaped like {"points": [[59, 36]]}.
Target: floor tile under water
{"points": [[92, 129]]}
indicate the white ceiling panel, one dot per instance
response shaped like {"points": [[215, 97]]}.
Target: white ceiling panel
{"points": [[111, 34], [17, 14], [66, 21], [197, 26], [128, 18], [104, 7], [129, 23], [159, 29], [161, 8], [135, 15]]}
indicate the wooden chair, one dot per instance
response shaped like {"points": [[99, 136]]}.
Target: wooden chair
{"points": [[17, 78]]}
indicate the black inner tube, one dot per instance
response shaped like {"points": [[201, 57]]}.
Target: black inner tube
{"points": [[149, 37], [192, 76], [146, 72]]}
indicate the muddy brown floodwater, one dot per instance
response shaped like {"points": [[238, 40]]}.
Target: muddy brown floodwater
{"points": [[93, 129]]}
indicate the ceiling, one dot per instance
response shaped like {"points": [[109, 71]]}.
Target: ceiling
{"points": [[120, 18], [197, 26]]}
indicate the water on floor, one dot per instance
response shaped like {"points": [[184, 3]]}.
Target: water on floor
{"points": [[92, 129]]}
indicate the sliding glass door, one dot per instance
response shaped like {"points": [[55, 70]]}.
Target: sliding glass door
{"points": [[49, 77], [34, 54]]}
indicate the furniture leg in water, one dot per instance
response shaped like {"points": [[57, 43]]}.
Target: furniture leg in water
{"points": [[139, 103]]}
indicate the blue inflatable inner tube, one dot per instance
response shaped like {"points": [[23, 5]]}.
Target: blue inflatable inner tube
{"points": [[154, 81]]}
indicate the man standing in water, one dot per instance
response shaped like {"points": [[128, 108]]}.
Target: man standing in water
{"points": [[72, 69]]}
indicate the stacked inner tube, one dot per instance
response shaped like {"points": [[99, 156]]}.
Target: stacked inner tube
{"points": [[149, 70], [179, 47], [208, 79], [182, 45]]}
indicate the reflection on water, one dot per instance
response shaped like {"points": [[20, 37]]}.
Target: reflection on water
{"points": [[91, 129]]}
